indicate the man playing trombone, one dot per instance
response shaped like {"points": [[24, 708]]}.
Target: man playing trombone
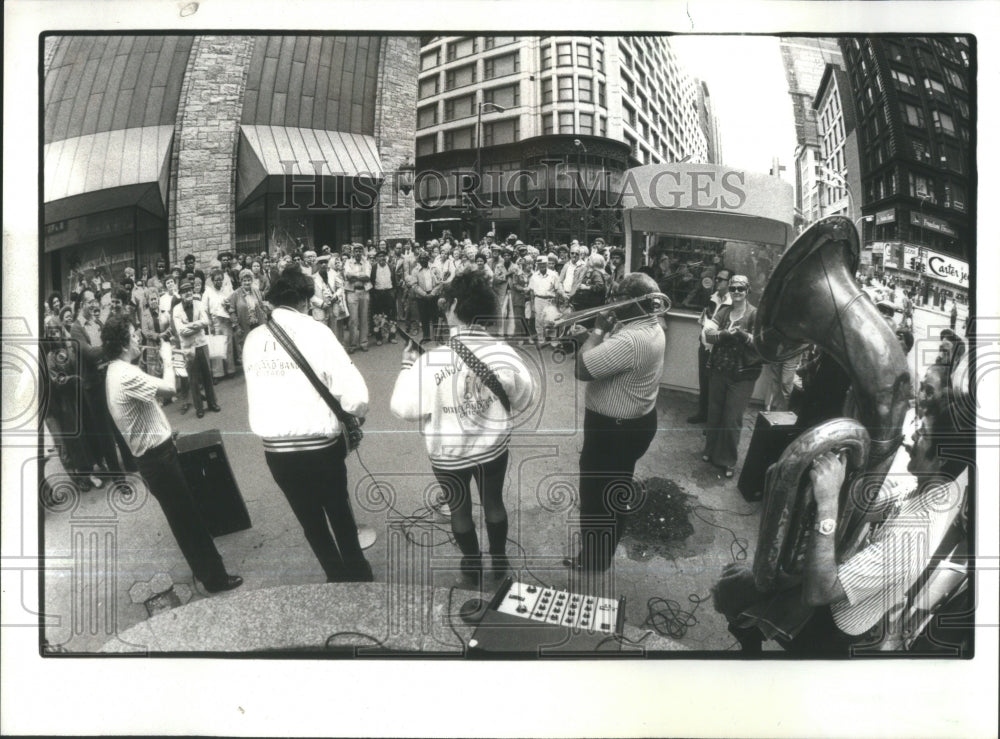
{"points": [[621, 361]]}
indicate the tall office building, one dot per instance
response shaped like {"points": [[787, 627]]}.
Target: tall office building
{"points": [[550, 106], [912, 96], [159, 146], [805, 60], [839, 187]]}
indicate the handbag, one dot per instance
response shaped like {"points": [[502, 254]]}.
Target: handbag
{"points": [[483, 372], [217, 346], [350, 423]]}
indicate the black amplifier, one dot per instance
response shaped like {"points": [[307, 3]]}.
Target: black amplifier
{"points": [[207, 472], [773, 431], [538, 621]]}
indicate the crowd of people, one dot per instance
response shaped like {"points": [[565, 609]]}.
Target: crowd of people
{"points": [[289, 325]]}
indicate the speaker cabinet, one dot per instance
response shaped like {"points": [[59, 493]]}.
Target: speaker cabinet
{"points": [[773, 431], [208, 474]]}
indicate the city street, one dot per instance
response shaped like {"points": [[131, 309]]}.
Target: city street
{"points": [[137, 559], [716, 523]]}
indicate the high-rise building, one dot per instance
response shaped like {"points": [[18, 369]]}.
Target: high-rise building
{"points": [[805, 60], [913, 96], [709, 124], [160, 146], [550, 107], [839, 190]]}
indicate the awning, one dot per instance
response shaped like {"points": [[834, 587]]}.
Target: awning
{"points": [[129, 166], [269, 153]]}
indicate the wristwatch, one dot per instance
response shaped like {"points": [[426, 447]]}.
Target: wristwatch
{"points": [[827, 526]]}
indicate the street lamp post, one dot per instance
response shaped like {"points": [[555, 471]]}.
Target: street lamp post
{"points": [[579, 169], [479, 149]]}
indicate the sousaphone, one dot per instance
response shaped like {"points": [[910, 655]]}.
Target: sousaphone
{"points": [[812, 298]]}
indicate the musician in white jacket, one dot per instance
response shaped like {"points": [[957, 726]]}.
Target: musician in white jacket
{"points": [[466, 428], [303, 444]]}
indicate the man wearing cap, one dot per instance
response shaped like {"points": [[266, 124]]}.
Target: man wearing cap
{"points": [[424, 287], [192, 323], [543, 288], [383, 300], [572, 272], [357, 275]]}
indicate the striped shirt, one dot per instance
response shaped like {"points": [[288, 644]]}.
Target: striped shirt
{"points": [[627, 367], [877, 578], [132, 402]]}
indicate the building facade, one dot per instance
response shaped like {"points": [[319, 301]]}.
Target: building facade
{"points": [[560, 110], [916, 139], [161, 146], [839, 188], [805, 60]]}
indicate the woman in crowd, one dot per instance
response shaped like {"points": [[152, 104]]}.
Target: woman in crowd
{"points": [[467, 418], [260, 279], [519, 298], [734, 367], [53, 304], [593, 288], [246, 308], [62, 412]]}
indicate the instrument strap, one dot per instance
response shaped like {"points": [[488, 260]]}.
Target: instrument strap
{"points": [[296, 356], [483, 372]]}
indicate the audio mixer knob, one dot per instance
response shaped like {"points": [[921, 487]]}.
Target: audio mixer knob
{"points": [[522, 609]]}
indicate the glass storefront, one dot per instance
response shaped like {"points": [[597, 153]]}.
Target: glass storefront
{"points": [[267, 223], [97, 247], [685, 266]]}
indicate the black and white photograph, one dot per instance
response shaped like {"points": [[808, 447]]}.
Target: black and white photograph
{"points": [[628, 372]]}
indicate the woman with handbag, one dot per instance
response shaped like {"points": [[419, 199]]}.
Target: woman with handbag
{"points": [[246, 309], [734, 367], [308, 430], [468, 393]]}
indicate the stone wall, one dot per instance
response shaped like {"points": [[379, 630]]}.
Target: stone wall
{"points": [[203, 161], [395, 131]]}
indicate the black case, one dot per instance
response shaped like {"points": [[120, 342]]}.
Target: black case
{"points": [[772, 433], [208, 474]]}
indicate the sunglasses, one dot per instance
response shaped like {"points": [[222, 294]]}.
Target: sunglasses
{"points": [[722, 279], [737, 289]]}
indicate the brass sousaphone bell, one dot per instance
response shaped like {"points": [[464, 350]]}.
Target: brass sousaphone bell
{"points": [[812, 298]]}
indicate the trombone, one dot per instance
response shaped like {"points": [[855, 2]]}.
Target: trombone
{"points": [[654, 304]]}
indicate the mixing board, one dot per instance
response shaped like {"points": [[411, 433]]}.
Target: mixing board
{"points": [[531, 619]]}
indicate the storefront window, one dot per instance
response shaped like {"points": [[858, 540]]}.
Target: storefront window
{"points": [[264, 225], [97, 247], [683, 265]]}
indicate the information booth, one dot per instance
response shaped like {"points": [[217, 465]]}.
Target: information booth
{"points": [[684, 222]]}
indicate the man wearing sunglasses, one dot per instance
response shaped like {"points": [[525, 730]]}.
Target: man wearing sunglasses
{"points": [[716, 300]]}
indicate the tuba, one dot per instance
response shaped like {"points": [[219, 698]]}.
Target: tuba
{"points": [[812, 298]]}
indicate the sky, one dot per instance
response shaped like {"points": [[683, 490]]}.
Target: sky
{"points": [[746, 81]]}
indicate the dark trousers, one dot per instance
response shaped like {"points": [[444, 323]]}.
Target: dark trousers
{"points": [[200, 374], [703, 355], [105, 440], [611, 448], [383, 302], [427, 307], [315, 484], [458, 492], [160, 467], [727, 401]]}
